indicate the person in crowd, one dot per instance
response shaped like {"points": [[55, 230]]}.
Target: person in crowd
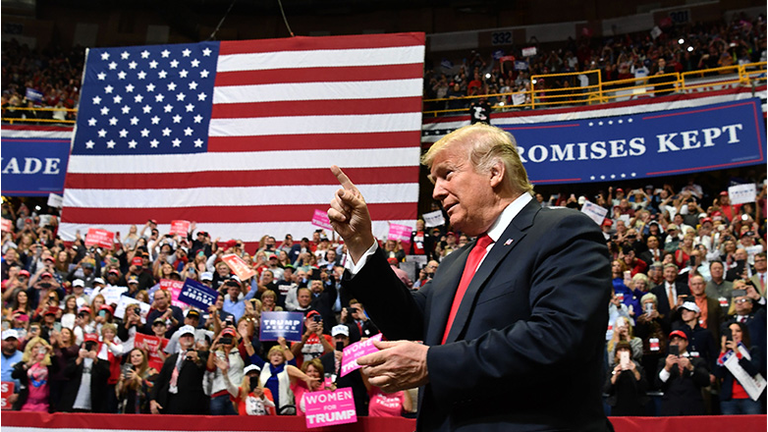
{"points": [[234, 302], [653, 331], [332, 362], [749, 312], [162, 308], [87, 374], [759, 276], [84, 324], [700, 341], [250, 398], [671, 293], [276, 376], [135, 383], [10, 357], [224, 349], [314, 343], [64, 350], [33, 373], [626, 386], [710, 313], [312, 381], [269, 302], [623, 331], [324, 296], [69, 312], [621, 277], [734, 399], [360, 326], [178, 388], [191, 318], [717, 287], [681, 377]]}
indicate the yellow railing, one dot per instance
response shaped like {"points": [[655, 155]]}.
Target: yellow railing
{"points": [[13, 120], [539, 96]]}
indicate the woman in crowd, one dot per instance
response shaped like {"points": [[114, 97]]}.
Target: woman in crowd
{"points": [[626, 386], [268, 299], [684, 251], [250, 398], [310, 380], [640, 285], [135, 383], [622, 331], [62, 264], [69, 312], [112, 349], [21, 303], [619, 273], [34, 372], [275, 375], [652, 329], [734, 399]]}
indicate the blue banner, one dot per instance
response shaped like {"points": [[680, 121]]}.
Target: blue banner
{"points": [[654, 144], [34, 95], [198, 295], [289, 325], [34, 166]]}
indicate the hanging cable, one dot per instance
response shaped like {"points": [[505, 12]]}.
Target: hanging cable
{"points": [[222, 20], [285, 20]]}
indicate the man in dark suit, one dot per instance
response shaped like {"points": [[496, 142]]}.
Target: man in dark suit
{"points": [[670, 294], [516, 345], [179, 386], [681, 378]]}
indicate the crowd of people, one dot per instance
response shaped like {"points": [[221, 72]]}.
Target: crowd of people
{"points": [[683, 48], [689, 289], [40, 79]]}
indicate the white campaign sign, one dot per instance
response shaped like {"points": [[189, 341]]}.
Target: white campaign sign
{"points": [[743, 193]]}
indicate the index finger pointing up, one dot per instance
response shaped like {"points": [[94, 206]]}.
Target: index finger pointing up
{"points": [[346, 183]]}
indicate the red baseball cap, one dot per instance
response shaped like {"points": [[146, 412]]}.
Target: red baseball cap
{"points": [[678, 333], [90, 337]]}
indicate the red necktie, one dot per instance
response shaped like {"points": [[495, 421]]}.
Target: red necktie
{"points": [[473, 261]]}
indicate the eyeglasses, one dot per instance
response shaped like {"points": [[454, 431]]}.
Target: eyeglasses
{"points": [[741, 301]]}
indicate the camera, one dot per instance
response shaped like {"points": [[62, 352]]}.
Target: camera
{"points": [[225, 340], [317, 318], [90, 345]]}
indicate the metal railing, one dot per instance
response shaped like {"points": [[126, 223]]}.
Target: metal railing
{"points": [[35, 119], [597, 91]]}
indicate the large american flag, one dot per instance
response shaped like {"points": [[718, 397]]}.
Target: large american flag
{"points": [[239, 136]]}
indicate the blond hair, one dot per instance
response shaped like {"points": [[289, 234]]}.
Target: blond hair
{"points": [[27, 356], [489, 144]]}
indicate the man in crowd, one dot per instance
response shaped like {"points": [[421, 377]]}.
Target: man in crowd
{"points": [[503, 314], [719, 288], [179, 386], [670, 293], [162, 308], [313, 342], [360, 326], [11, 356], [681, 377], [87, 375], [759, 276], [711, 315]]}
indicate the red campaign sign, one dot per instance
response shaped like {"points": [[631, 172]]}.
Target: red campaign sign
{"points": [[180, 227], [100, 237], [238, 266], [6, 390], [7, 225], [174, 287], [153, 344]]}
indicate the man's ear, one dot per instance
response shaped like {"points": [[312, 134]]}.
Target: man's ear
{"points": [[497, 173]]}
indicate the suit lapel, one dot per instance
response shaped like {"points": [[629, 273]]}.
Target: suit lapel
{"points": [[505, 244]]}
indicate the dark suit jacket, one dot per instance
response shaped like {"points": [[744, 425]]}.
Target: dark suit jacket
{"points": [[526, 348], [190, 398]]}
